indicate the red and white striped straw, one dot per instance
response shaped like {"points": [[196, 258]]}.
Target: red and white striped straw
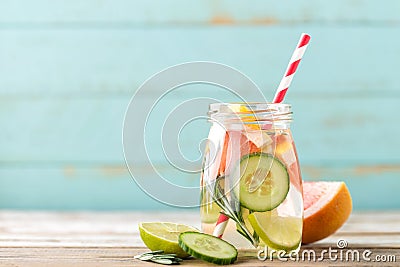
{"points": [[292, 67], [279, 96], [220, 225]]}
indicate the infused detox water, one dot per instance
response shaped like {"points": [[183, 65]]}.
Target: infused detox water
{"points": [[251, 174]]}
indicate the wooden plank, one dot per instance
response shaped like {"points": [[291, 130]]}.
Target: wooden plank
{"points": [[130, 238], [89, 241], [62, 129], [87, 222], [71, 188], [123, 257], [96, 63], [60, 119], [72, 185], [108, 239], [75, 149], [119, 223], [102, 187], [124, 12], [71, 132]]}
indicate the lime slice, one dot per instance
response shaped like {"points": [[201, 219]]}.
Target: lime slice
{"points": [[209, 212], [164, 236], [245, 214], [281, 233], [209, 209], [208, 248]]}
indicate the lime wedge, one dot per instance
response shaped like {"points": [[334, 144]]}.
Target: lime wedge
{"points": [[209, 212], [245, 214], [164, 236], [280, 233]]}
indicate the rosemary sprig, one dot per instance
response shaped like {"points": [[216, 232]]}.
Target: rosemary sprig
{"points": [[158, 256], [232, 210]]}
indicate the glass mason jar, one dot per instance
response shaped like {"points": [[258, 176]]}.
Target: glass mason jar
{"points": [[251, 174]]}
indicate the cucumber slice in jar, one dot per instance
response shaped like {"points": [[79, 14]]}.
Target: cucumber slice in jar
{"points": [[208, 248], [264, 182]]}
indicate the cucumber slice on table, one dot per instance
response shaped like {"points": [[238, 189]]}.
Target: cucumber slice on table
{"points": [[208, 248], [264, 182]]}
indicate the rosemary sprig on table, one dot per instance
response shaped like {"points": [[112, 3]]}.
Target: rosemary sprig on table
{"points": [[158, 256], [232, 210]]}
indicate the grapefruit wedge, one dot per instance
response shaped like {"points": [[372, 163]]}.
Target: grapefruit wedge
{"points": [[327, 206], [246, 147]]}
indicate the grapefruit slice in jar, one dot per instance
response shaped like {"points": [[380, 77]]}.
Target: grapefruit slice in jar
{"points": [[246, 147], [327, 206], [286, 152], [225, 157], [252, 139]]}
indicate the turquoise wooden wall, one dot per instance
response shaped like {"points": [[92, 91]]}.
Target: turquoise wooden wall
{"points": [[69, 68]]}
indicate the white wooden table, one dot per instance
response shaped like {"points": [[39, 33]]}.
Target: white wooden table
{"points": [[112, 239]]}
